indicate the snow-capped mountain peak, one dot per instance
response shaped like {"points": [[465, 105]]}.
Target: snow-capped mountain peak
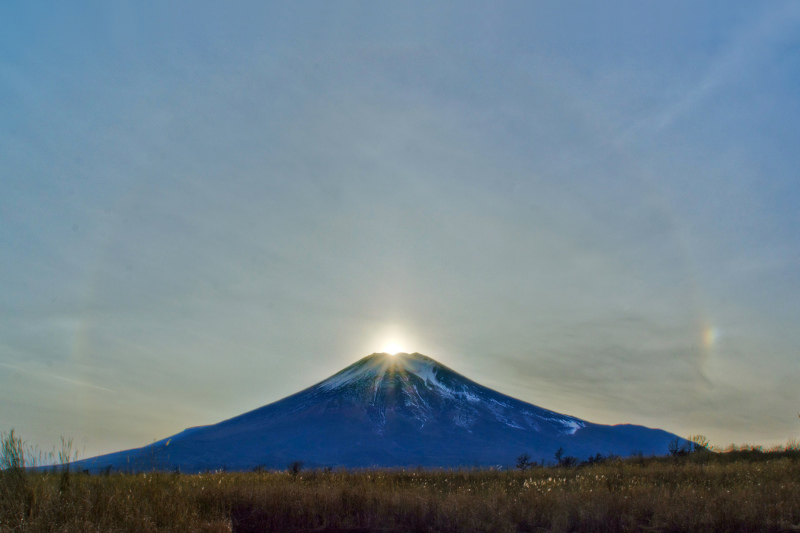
{"points": [[387, 410], [376, 366], [417, 388]]}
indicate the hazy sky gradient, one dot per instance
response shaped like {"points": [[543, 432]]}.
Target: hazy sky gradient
{"points": [[591, 207]]}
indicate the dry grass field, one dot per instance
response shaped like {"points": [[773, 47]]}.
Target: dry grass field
{"points": [[735, 491]]}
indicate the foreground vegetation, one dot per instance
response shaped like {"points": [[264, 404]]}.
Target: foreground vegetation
{"points": [[743, 490]]}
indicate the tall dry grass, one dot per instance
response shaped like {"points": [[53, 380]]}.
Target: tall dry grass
{"points": [[740, 491]]}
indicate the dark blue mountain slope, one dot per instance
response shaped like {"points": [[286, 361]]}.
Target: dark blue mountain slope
{"points": [[386, 411]]}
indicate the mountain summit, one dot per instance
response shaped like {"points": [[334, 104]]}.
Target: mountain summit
{"points": [[387, 411], [414, 389]]}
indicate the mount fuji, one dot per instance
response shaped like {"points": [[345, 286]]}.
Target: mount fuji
{"points": [[404, 410]]}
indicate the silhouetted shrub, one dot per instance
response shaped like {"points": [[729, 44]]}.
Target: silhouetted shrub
{"points": [[295, 467], [678, 447], [525, 462], [593, 460], [699, 443], [565, 461]]}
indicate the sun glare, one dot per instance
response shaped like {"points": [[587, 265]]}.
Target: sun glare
{"points": [[392, 348]]}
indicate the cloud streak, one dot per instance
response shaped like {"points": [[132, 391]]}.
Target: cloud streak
{"points": [[49, 376]]}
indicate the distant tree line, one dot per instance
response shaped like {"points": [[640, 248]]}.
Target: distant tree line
{"points": [[696, 443], [677, 448]]}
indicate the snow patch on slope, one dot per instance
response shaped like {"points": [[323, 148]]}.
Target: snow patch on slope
{"points": [[423, 370], [426, 371], [350, 375], [572, 425], [467, 395]]}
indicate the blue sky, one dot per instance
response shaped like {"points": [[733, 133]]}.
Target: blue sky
{"points": [[591, 208]]}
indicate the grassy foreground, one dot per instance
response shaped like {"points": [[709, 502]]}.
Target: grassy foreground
{"points": [[737, 491]]}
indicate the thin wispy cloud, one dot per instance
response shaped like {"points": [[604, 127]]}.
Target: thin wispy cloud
{"points": [[45, 376], [752, 47]]}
